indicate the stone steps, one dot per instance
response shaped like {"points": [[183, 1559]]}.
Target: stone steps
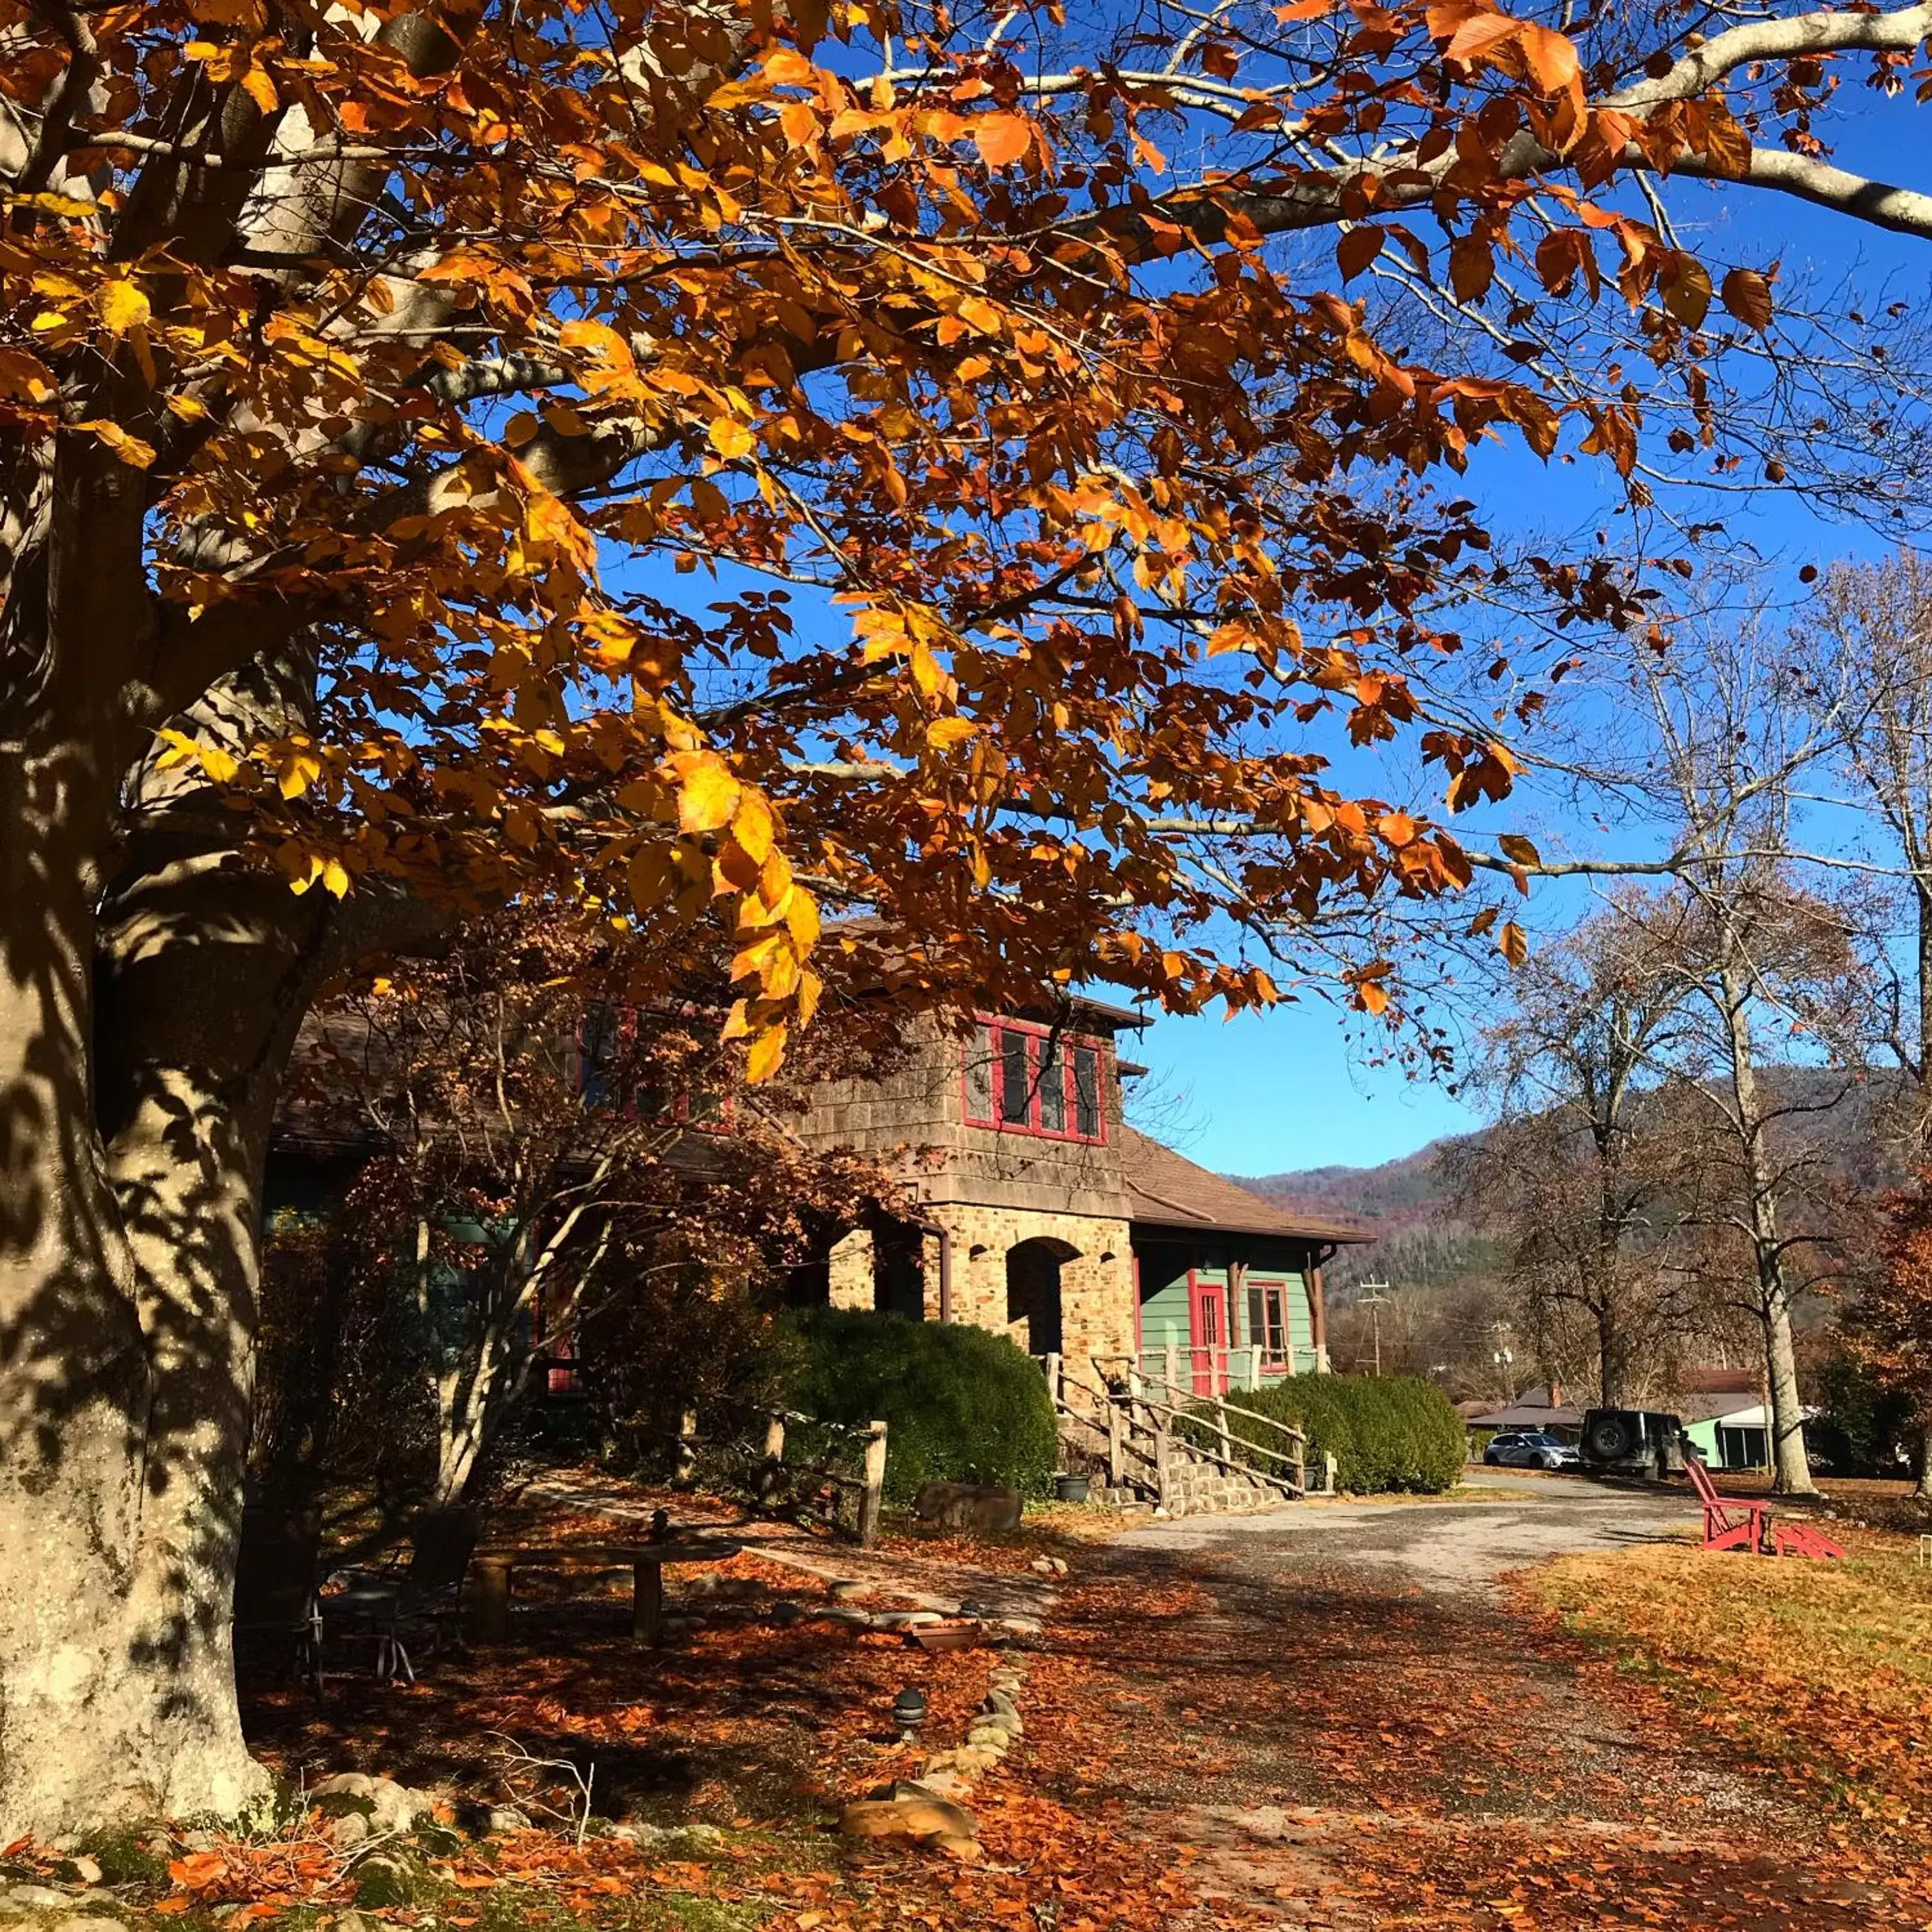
{"points": [[1203, 1489], [1195, 1486]]}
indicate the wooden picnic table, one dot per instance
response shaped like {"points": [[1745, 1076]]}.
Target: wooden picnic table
{"points": [[496, 1569]]}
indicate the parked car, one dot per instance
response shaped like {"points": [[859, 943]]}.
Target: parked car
{"points": [[1633, 1441], [1531, 1449]]}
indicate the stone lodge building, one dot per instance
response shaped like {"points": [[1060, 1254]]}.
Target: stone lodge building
{"points": [[1042, 1214]]}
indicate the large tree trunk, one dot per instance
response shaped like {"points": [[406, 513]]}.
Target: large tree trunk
{"points": [[206, 973], [1791, 1467], [74, 1383], [143, 1036]]}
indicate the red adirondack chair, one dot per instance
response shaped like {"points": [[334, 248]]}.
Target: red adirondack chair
{"points": [[1738, 1522], [1730, 1522]]}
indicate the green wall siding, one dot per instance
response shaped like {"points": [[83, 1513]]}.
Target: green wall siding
{"points": [[1164, 1266], [1740, 1441], [1164, 1314]]}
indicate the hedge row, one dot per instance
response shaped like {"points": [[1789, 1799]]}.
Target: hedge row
{"points": [[1385, 1432], [961, 1404]]}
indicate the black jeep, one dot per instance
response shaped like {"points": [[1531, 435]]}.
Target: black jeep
{"points": [[1633, 1441]]}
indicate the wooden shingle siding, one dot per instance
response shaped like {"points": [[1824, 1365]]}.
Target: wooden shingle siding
{"points": [[1099, 1204]]}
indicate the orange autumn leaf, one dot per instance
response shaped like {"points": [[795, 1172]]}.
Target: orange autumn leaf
{"points": [[1002, 139]]}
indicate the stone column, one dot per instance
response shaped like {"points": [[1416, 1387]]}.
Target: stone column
{"points": [[850, 1273]]}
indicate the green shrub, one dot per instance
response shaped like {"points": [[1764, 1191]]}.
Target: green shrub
{"points": [[961, 1404], [1386, 1433]]}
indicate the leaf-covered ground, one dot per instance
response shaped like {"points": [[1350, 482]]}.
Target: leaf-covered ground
{"points": [[1256, 1733], [1823, 1669]]}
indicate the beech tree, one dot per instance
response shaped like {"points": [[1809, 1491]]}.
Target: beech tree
{"points": [[710, 460]]}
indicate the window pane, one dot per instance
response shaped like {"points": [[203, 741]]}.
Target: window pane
{"points": [[596, 1048], [1087, 1092], [979, 1074], [1257, 1321], [1052, 1088], [1015, 1079]]}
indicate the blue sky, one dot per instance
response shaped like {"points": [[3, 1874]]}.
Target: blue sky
{"points": [[1268, 1092]]}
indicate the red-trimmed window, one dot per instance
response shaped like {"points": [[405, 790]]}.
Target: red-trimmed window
{"points": [[1021, 1079], [605, 1037], [1268, 1324]]}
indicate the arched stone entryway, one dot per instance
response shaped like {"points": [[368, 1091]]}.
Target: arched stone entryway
{"points": [[1034, 1316]]}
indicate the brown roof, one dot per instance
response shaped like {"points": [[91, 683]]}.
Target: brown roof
{"points": [[1519, 1415], [1723, 1381], [1167, 1191]]}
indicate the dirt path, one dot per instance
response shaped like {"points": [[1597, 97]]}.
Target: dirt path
{"points": [[1336, 1719]]}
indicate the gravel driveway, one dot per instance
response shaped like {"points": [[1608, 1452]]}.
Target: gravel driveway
{"points": [[1338, 1721], [1507, 1522]]}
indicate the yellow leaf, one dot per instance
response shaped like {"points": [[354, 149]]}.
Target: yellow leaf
{"points": [[782, 975], [944, 733], [801, 918], [786, 67], [131, 450], [708, 796], [123, 306], [927, 674], [730, 438], [334, 879], [261, 89], [752, 826], [775, 884], [766, 1054], [300, 770]]}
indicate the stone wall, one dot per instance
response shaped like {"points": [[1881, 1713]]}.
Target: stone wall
{"points": [[915, 1119], [1097, 1273]]}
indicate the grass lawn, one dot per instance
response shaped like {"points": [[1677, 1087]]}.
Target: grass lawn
{"points": [[1822, 1670]]}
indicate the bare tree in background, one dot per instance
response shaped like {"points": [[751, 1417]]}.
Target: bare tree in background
{"points": [[1765, 959], [1579, 1167], [1878, 617]]}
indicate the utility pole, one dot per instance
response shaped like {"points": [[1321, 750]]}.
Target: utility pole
{"points": [[1375, 1301]]}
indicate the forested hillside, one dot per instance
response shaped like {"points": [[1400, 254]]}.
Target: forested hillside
{"points": [[1424, 1238]]}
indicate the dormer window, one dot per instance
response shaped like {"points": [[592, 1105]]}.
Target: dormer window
{"points": [[1021, 1079]]}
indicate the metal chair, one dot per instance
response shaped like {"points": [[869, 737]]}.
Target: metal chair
{"points": [[393, 1605], [276, 1595]]}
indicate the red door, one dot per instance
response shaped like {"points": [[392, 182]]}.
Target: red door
{"points": [[1210, 1335]]}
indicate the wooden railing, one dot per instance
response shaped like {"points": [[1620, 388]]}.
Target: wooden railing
{"points": [[765, 1475], [1141, 1430]]}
